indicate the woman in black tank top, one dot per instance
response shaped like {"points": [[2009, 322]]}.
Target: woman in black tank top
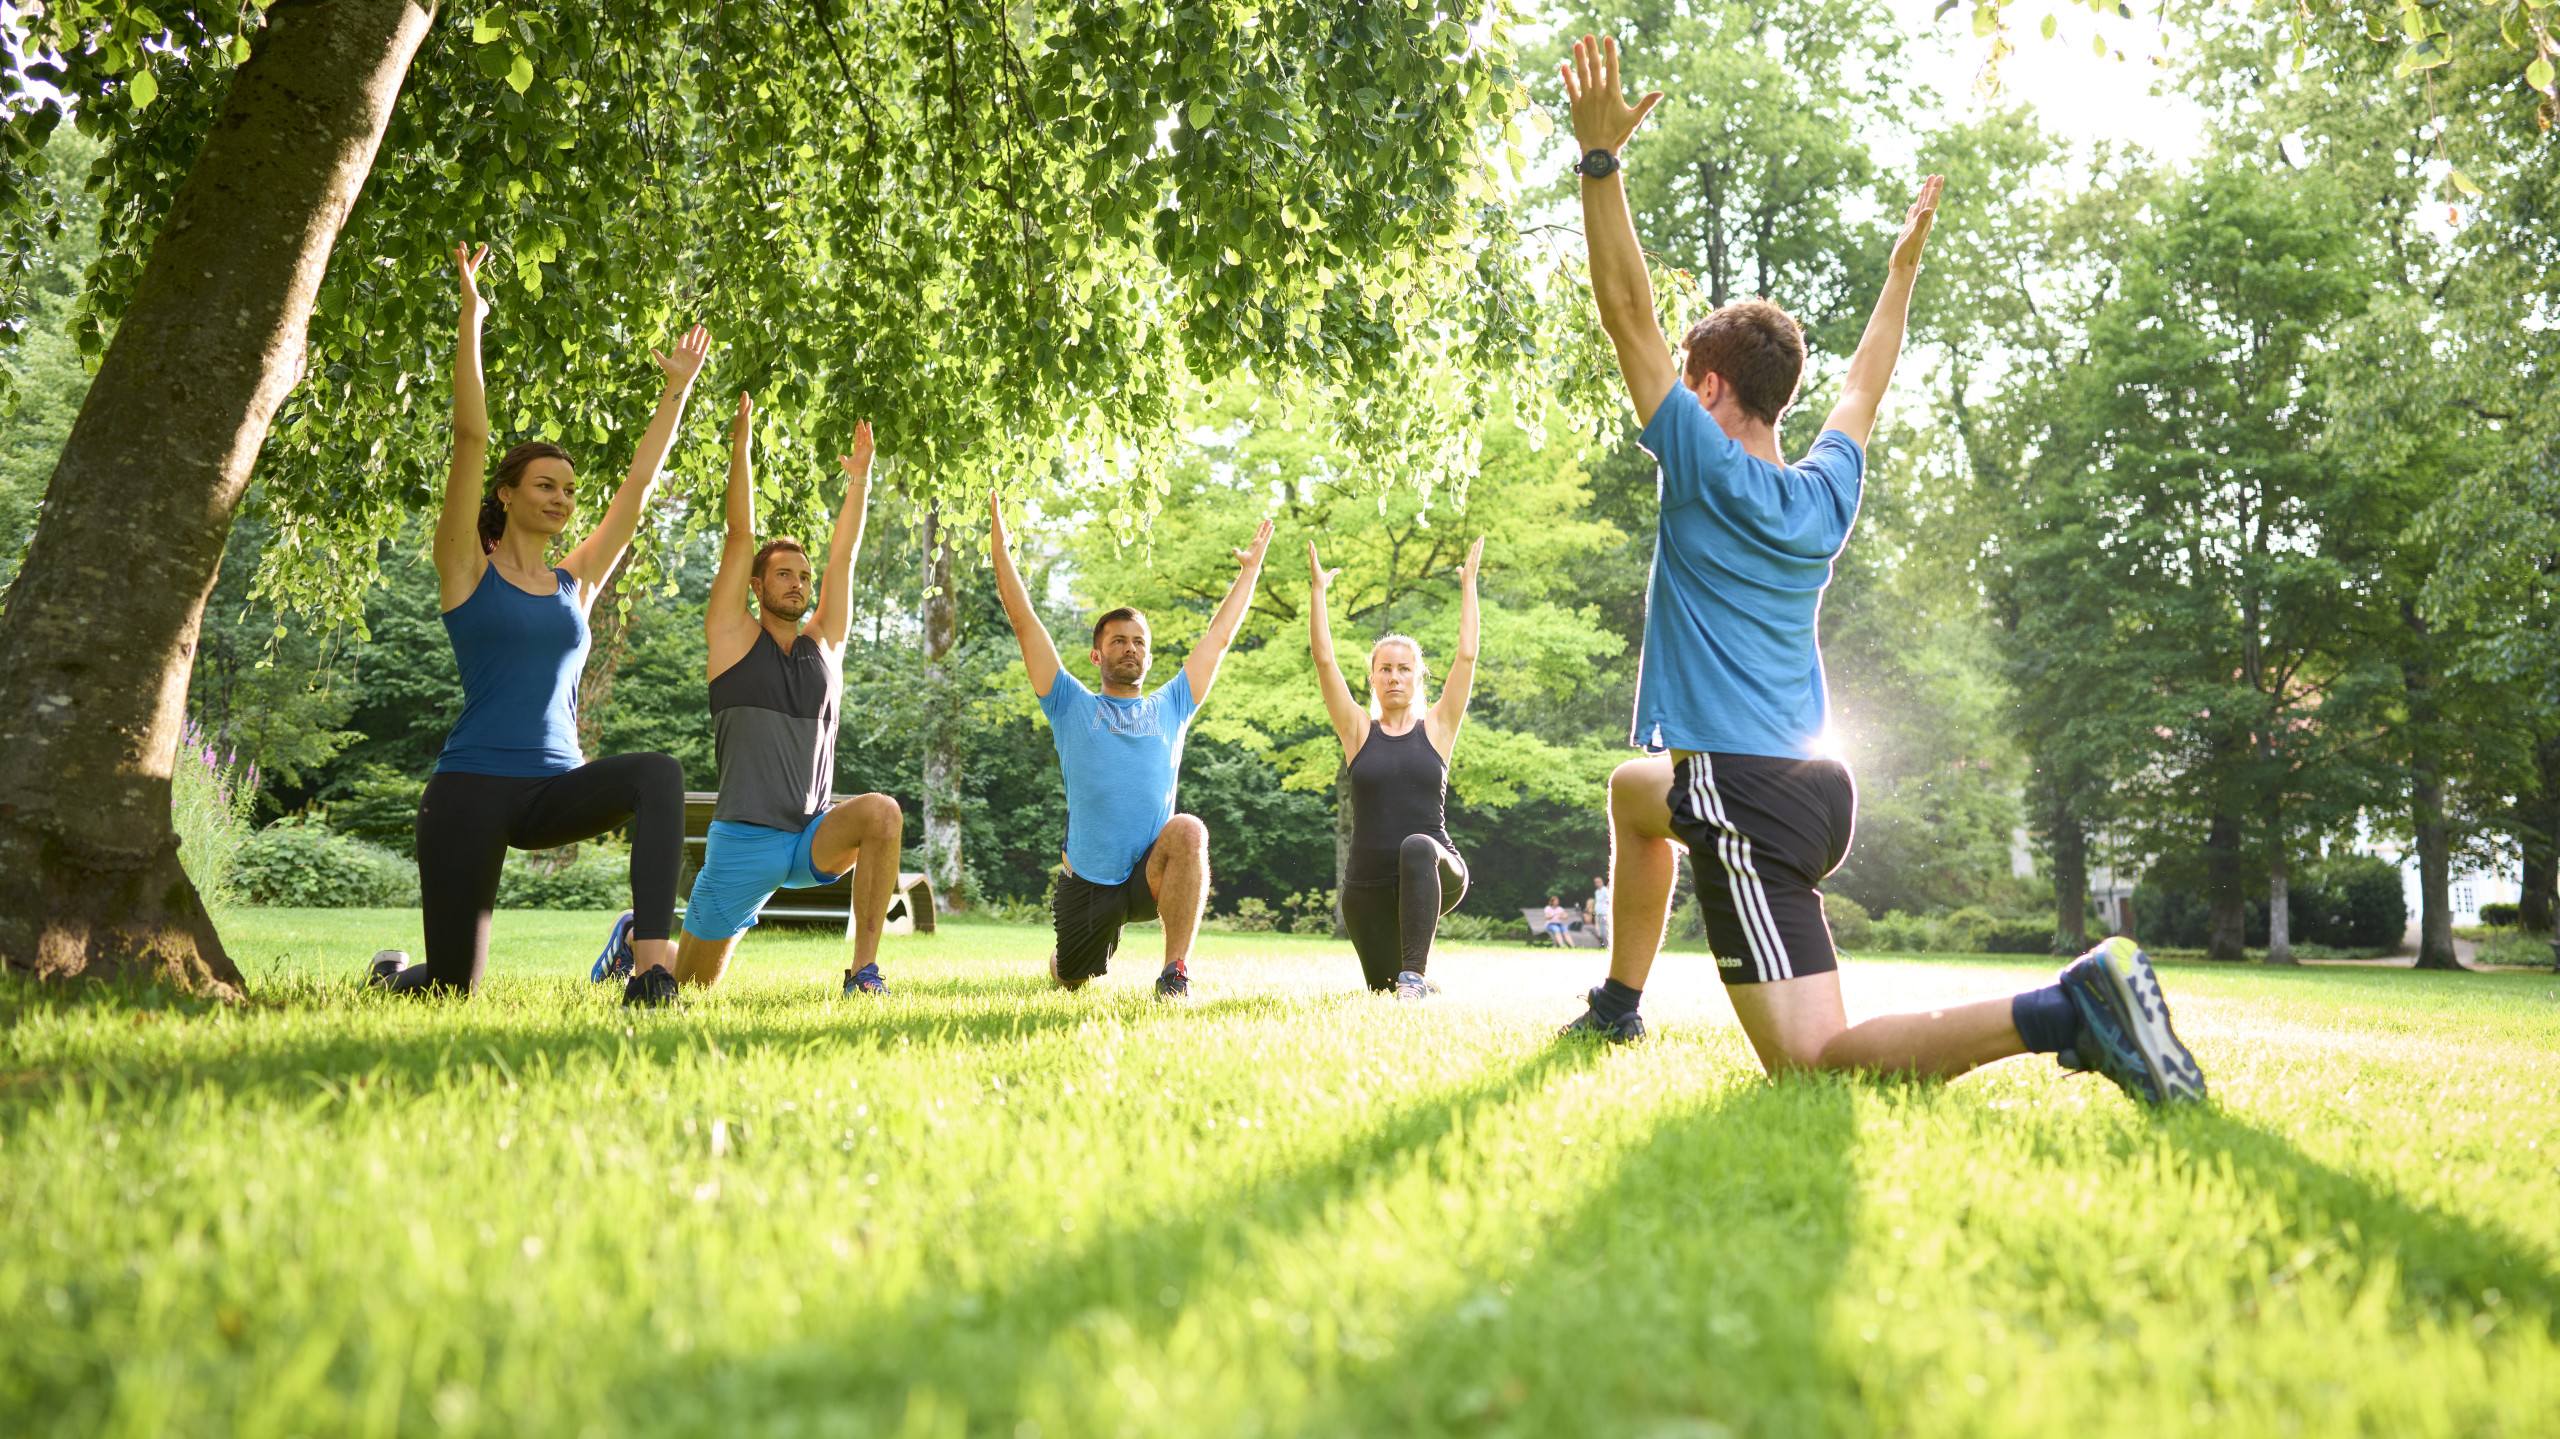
{"points": [[1404, 873]]}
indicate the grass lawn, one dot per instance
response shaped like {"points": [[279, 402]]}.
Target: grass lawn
{"points": [[981, 1208]]}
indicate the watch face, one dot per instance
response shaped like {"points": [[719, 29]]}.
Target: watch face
{"points": [[1599, 164]]}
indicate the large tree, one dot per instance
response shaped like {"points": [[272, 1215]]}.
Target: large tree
{"points": [[1001, 231]]}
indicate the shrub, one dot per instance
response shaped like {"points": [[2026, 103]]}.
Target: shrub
{"points": [[2356, 903], [1252, 916], [2017, 936], [1897, 933], [1850, 926], [593, 875], [1308, 912], [303, 865], [380, 806], [2514, 946], [2502, 916], [209, 800], [1477, 928]]}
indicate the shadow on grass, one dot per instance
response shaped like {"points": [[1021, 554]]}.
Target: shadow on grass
{"points": [[2439, 1259], [1006, 1342], [1694, 1290], [451, 1038]]}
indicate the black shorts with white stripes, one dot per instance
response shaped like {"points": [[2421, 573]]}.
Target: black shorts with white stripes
{"points": [[1762, 832]]}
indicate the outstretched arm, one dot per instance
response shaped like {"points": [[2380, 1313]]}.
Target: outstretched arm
{"points": [[835, 592], [601, 550], [1880, 348], [728, 624], [1350, 722], [1202, 666], [460, 561], [1039, 652], [1603, 120], [1451, 710]]}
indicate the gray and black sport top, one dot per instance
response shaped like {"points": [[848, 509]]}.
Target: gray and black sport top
{"points": [[774, 716]]}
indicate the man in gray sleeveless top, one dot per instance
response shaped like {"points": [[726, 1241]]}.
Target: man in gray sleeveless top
{"points": [[774, 694]]}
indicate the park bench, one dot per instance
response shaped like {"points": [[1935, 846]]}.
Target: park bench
{"points": [[1577, 933], [910, 909]]}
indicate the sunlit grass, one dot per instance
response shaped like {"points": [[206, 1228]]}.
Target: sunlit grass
{"points": [[983, 1208]]}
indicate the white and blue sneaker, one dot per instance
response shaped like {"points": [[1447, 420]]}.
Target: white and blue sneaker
{"points": [[616, 961], [2124, 1026]]}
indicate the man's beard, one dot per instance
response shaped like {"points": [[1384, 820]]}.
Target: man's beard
{"points": [[782, 607], [1128, 672]]}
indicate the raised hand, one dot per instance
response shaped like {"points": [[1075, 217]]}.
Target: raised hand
{"points": [[686, 361], [1915, 225], [1602, 118], [995, 509], [1318, 577], [746, 415], [1475, 560], [857, 466], [1251, 557], [466, 263]]}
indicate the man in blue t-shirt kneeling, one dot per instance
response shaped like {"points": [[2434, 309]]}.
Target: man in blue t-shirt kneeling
{"points": [[1730, 703], [1129, 856]]}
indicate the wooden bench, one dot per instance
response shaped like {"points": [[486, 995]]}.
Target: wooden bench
{"points": [[910, 909], [1577, 933]]}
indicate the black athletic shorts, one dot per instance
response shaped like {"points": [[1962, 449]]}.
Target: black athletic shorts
{"points": [[1089, 916], [1762, 832]]}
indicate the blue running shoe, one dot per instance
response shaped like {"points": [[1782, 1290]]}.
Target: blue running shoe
{"points": [[2124, 1026], [865, 980], [615, 962], [1413, 988], [1625, 1029]]}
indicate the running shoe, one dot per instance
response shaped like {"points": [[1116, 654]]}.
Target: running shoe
{"points": [[655, 989], [2124, 1026], [386, 967], [1413, 988], [615, 962], [1623, 1030], [1174, 983], [865, 980]]}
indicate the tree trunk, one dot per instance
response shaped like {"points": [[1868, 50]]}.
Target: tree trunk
{"points": [[2435, 861], [2426, 801], [2069, 842], [2279, 889], [100, 635], [1341, 846], [2227, 910], [2539, 837], [942, 802], [609, 631]]}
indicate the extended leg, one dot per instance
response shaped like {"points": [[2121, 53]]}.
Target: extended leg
{"points": [[1178, 877], [645, 791], [702, 961], [1798, 1024], [863, 834]]}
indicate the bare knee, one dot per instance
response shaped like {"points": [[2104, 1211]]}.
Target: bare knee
{"points": [[1185, 834], [877, 814], [1640, 796]]}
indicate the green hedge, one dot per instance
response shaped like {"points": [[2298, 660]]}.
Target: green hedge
{"points": [[306, 867]]}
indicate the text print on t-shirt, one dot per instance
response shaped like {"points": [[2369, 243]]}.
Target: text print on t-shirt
{"points": [[1135, 719]]}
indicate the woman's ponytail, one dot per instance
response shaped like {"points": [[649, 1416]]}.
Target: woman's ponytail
{"points": [[493, 511]]}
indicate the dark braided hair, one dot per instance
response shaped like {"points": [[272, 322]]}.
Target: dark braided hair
{"points": [[493, 511]]}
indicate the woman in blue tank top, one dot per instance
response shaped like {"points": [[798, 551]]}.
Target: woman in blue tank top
{"points": [[511, 773]]}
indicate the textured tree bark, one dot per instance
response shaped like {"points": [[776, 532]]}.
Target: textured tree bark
{"points": [[2227, 911], [609, 630], [942, 742], [100, 634], [1341, 846], [2426, 801]]}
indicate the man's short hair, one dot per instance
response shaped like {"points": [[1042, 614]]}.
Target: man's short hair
{"points": [[1757, 347], [773, 547], [1113, 617]]}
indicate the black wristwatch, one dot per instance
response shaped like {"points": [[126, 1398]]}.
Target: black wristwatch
{"points": [[1598, 165]]}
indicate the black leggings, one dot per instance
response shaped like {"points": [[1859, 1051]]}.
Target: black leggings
{"points": [[1392, 921], [466, 822]]}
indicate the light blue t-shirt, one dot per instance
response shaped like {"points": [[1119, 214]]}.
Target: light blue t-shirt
{"points": [[1740, 559], [1120, 759]]}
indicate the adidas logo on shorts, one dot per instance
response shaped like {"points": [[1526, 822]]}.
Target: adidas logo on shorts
{"points": [[1728, 961]]}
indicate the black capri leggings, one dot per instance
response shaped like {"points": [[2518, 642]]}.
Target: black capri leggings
{"points": [[1392, 921], [466, 822]]}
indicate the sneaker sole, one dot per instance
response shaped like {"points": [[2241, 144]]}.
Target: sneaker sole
{"points": [[2145, 1011], [603, 967]]}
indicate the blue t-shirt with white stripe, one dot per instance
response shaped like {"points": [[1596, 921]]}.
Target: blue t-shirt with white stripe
{"points": [[1741, 555]]}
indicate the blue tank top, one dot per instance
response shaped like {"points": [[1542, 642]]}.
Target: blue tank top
{"points": [[520, 656]]}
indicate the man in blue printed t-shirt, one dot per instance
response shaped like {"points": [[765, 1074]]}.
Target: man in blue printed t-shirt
{"points": [[1730, 702], [1129, 856]]}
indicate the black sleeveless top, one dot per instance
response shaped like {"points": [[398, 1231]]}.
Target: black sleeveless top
{"points": [[773, 719], [1397, 787]]}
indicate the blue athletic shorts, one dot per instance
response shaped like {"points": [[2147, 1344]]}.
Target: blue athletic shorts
{"points": [[742, 865]]}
